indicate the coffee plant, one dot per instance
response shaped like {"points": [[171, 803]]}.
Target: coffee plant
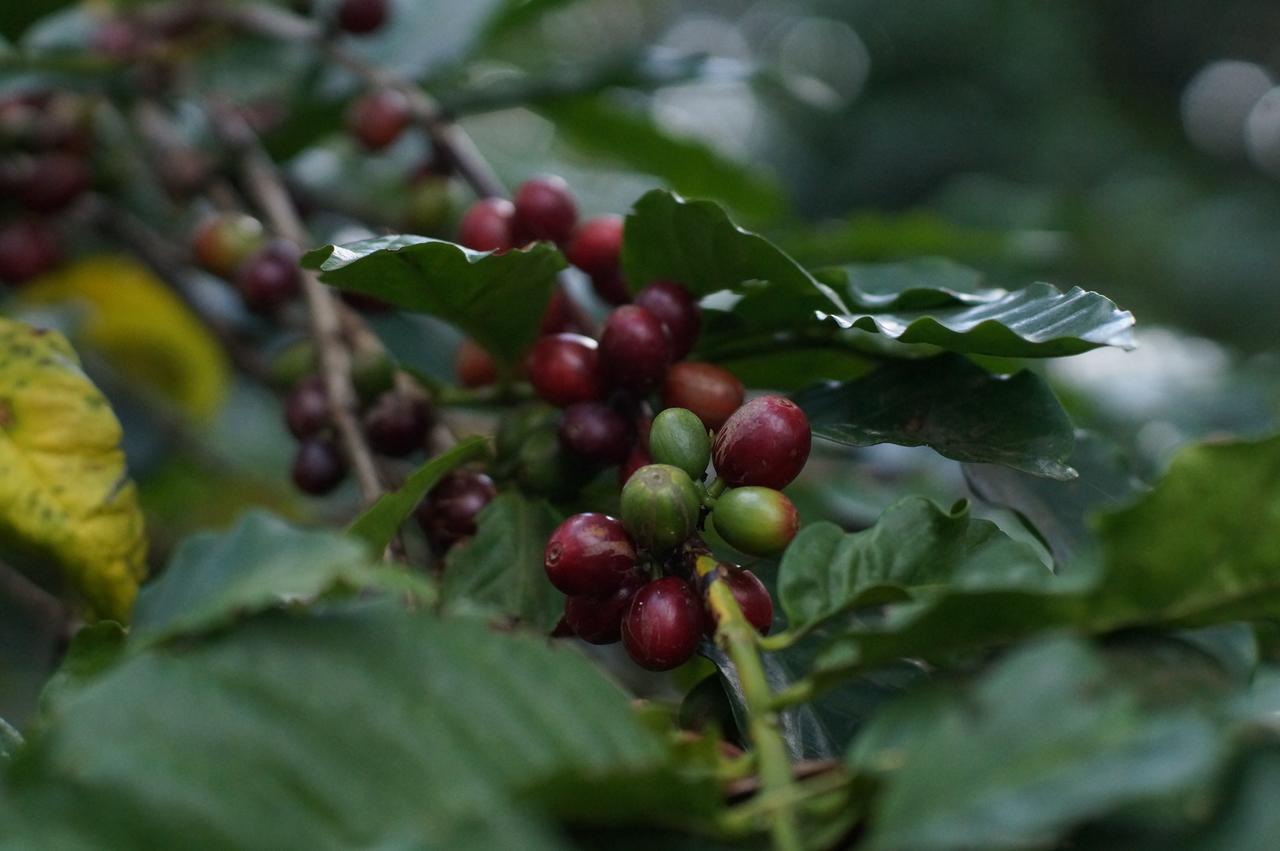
{"points": [[580, 519]]}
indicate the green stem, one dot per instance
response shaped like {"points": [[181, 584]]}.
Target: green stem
{"points": [[801, 691]]}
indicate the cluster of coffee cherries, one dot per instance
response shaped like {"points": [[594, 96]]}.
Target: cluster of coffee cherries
{"points": [[236, 247]]}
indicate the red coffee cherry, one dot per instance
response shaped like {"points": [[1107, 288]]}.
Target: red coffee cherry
{"points": [[223, 241], [589, 554], [361, 16], [709, 391], [449, 512], [596, 246], [397, 424], [474, 365], [488, 225], [611, 287], [598, 620], [54, 181], [765, 442], [634, 350], [28, 249], [558, 317], [752, 597], [270, 277], [596, 433], [377, 118], [545, 209], [638, 457], [756, 521], [306, 411], [319, 466], [678, 312], [565, 368], [663, 623]]}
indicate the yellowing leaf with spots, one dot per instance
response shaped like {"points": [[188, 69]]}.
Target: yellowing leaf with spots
{"points": [[65, 496]]}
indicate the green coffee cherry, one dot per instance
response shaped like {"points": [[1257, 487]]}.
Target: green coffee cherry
{"points": [[519, 424], [754, 520], [679, 438], [660, 506], [373, 372], [293, 363], [428, 205], [543, 467]]}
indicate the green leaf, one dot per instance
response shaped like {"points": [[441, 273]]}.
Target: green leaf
{"points": [[1044, 741], [93, 649], [378, 523], [359, 726], [501, 567], [497, 299], [263, 562], [916, 284], [1249, 820], [952, 405], [10, 739]]}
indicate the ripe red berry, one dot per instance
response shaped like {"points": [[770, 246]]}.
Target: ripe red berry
{"points": [[678, 312], [565, 368], [448, 514], [28, 248], [596, 246], [488, 225], [709, 391], [589, 554], [598, 620], [474, 366], [595, 432], [634, 350], [223, 241], [558, 317], [752, 597], [663, 623], [545, 209], [765, 442], [397, 424], [306, 411], [318, 467], [611, 287], [270, 277], [54, 181], [361, 16], [378, 118]]}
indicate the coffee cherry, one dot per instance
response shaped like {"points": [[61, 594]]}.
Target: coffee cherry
{"points": [[596, 246], [638, 457], [306, 411], [223, 241], [428, 204], [397, 424], [270, 277], [543, 466], [679, 438], [565, 368], [373, 372], [765, 442], [596, 433], [612, 288], [473, 365], [709, 391], [516, 426], [660, 506], [634, 350], [448, 514], [751, 596], [55, 180], [361, 16], [318, 467], [754, 520], [488, 225], [598, 620], [28, 249], [545, 210], [558, 317], [589, 554], [377, 119], [678, 312], [662, 625]]}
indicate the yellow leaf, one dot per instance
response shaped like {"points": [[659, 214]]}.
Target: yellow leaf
{"points": [[64, 492], [142, 328]]}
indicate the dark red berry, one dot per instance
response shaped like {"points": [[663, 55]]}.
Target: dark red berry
{"points": [[449, 512], [54, 181], [487, 225], [367, 303], [765, 442], [597, 246], [596, 433], [598, 620], [752, 597], [318, 467], [270, 277], [678, 312], [558, 317], [545, 209], [709, 391], [397, 424], [361, 16], [306, 411], [474, 365], [565, 368], [663, 623], [611, 287], [378, 118], [28, 248], [589, 554], [634, 350]]}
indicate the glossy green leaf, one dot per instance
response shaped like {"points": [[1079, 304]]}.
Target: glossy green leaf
{"points": [[377, 525], [914, 284], [497, 299], [501, 568], [952, 405]]}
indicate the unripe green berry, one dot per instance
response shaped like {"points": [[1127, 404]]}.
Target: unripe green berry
{"points": [[754, 520], [373, 372], [293, 363], [679, 438], [660, 506], [545, 468], [517, 425]]}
